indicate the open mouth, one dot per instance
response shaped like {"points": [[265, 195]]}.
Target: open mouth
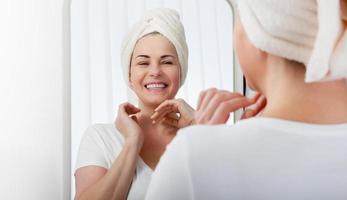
{"points": [[156, 86]]}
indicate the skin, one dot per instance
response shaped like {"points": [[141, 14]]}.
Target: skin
{"points": [[281, 83], [154, 60]]}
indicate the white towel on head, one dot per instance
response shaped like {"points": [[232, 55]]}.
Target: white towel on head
{"points": [[308, 31], [164, 21]]}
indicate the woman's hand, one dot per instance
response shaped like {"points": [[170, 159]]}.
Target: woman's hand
{"points": [[126, 123], [167, 112], [256, 108], [215, 106]]}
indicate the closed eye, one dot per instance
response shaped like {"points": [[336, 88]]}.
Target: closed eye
{"points": [[142, 63], [167, 62]]}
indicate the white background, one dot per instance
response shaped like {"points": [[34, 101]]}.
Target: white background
{"points": [[34, 119]]}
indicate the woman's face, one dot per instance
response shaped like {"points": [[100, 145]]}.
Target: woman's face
{"points": [[252, 60], [154, 70]]}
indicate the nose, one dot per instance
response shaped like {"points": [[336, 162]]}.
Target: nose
{"points": [[155, 70]]}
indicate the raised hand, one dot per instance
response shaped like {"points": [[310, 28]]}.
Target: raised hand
{"points": [[174, 112], [215, 106], [126, 123]]}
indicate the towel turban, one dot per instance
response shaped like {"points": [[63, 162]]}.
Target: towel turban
{"points": [[308, 31], [164, 21]]}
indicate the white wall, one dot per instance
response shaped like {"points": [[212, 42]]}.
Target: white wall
{"points": [[34, 137]]}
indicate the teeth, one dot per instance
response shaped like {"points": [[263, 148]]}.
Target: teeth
{"points": [[155, 86]]}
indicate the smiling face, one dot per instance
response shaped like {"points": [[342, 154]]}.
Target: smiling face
{"points": [[154, 70]]}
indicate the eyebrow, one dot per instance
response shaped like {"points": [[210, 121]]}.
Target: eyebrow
{"points": [[145, 56], [163, 56]]}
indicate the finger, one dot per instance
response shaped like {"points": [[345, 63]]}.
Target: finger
{"points": [[201, 97], [170, 121], [225, 108], [259, 105], [159, 113], [176, 106], [173, 115], [121, 109], [173, 106], [133, 117], [157, 116], [129, 108], [125, 111], [204, 96], [216, 100], [248, 113], [184, 109], [165, 104], [256, 96], [161, 116], [209, 96]]}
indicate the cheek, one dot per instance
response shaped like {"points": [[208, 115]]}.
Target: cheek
{"points": [[135, 77], [248, 67], [174, 75], [247, 55], [242, 51]]}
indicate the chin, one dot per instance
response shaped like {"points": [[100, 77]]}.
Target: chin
{"points": [[157, 100], [153, 101]]}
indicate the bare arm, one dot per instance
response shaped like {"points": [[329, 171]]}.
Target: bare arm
{"points": [[94, 182], [97, 183]]}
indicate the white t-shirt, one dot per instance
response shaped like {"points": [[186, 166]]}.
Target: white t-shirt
{"points": [[259, 158], [100, 146]]}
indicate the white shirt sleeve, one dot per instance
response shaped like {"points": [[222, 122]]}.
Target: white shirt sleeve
{"points": [[172, 179], [91, 151]]}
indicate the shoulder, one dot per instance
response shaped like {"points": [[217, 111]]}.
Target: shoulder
{"points": [[100, 145], [203, 142], [103, 132], [103, 138], [101, 129], [195, 158], [210, 133]]}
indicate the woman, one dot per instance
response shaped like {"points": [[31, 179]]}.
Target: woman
{"points": [[294, 53], [116, 161]]}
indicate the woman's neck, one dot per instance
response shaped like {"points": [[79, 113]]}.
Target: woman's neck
{"points": [[157, 130], [290, 98], [156, 136]]}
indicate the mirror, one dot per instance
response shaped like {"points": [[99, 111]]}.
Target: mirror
{"points": [[97, 30]]}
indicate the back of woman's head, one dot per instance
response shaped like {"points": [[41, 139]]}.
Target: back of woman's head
{"points": [[311, 32]]}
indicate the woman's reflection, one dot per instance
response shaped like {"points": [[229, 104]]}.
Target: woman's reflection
{"points": [[115, 161]]}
